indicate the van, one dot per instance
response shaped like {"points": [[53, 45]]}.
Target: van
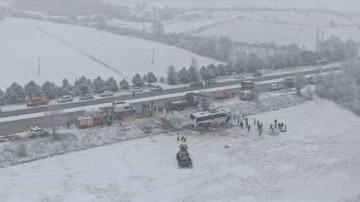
{"points": [[124, 108], [289, 82]]}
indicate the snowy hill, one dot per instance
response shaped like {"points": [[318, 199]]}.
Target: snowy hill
{"points": [[315, 160], [68, 51]]}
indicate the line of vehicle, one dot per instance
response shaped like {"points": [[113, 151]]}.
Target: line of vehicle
{"points": [[152, 94]]}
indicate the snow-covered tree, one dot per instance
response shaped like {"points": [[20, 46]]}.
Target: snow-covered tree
{"points": [[158, 28], [151, 78], [220, 69], [1, 93], [50, 90], [84, 89], [32, 89], [124, 84], [67, 88], [82, 85], [202, 70], [145, 78], [171, 72], [212, 69], [137, 80], [193, 74], [194, 62], [99, 85], [112, 85], [183, 75], [300, 82], [54, 119], [14, 94], [351, 48]]}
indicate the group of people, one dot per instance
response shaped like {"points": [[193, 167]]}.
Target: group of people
{"points": [[280, 126], [151, 109], [243, 122], [181, 137]]}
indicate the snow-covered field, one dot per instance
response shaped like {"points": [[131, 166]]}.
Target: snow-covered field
{"points": [[258, 32], [315, 160], [341, 6], [62, 49]]}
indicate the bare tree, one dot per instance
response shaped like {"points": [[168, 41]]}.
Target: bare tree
{"points": [[300, 82], [54, 119], [205, 103]]}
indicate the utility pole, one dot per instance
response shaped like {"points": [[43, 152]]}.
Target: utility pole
{"points": [[153, 56], [38, 66], [143, 23]]}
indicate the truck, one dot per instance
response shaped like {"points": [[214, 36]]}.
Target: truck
{"points": [[36, 101], [222, 94], [247, 84], [190, 99], [89, 121]]}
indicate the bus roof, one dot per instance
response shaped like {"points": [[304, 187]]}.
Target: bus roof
{"points": [[208, 113]]}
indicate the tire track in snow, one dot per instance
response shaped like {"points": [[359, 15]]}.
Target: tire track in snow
{"points": [[85, 54]]}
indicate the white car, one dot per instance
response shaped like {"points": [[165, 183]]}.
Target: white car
{"points": [[274, 87], [239, 76], [212, 81], [106, 94], [156, 88], [65, 98], [137, 89]]}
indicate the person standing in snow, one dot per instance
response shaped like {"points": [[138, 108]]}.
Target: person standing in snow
{"points": [[285, 128], [257, 122], [249, 128], [275, 123], [238, 121], [178, 137], [68, 124], [279, 125], [133, 94], [185, 137], [254, 122]]}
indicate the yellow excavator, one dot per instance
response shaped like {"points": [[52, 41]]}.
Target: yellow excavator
{"points": [[183, 156]]}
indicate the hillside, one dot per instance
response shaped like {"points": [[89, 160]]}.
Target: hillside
{"points": [[284, 28], [68, 51], [315, 160]]}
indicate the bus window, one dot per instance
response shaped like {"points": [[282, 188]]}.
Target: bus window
{"points": [[192, 117]]}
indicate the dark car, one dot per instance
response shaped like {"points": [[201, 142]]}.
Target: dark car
{"points": [[195, 84], [257, 74]]}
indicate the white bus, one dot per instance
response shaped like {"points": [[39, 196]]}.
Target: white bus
{"points": [[207, 118]]}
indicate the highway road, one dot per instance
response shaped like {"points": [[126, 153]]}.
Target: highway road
{"points": [[151, 94], [11, 127]]}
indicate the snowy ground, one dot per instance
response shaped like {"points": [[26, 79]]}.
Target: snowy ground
{"points": [[341, 6], [315, 160], [62, 49], [258, 32]]}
